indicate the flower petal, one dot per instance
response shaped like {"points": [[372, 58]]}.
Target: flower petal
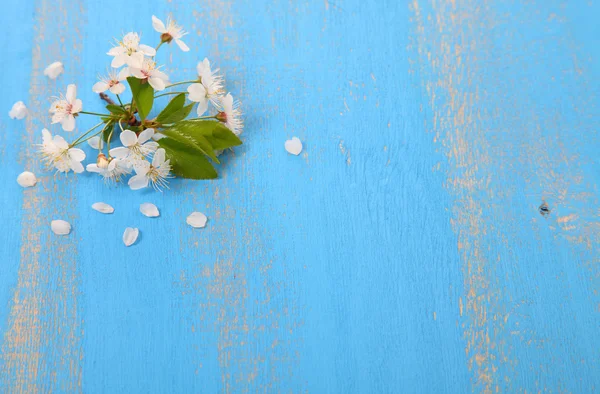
{"points": [[197, 92], [196, 220], [202, 106], [147, 50], [135, 60], [293, 146], [18, 110], [71, 93], [159, 157], [120, 153], [145, 136], [77, 166], [118, 60], [68, 123], [117, 89], [123, 74], [128, 138], [96, 142], [76, 154], [157, 83], [60, 227], [149, 209], [137, 182], [102, 207], [130, 236], [93, 168], [158, 25], [26, 179], [158, 136], [182, 45], [100, 87], [54, 70]]}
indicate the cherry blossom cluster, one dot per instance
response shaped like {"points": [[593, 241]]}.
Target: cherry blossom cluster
{"points": [[141, 154]]}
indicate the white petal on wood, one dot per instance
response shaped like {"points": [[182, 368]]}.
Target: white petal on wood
{"points": [[102, 207], [26, 179], [130, 236], [60, 227], [149, 209], [293, 146], [196, 220]]}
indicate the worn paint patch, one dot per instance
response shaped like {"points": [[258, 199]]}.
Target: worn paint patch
{"points": [[41, 347]]}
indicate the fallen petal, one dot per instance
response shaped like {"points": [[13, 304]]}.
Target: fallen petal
{"points": [[130, 236], [196, 220], [149, 209], [293, 146], [26, 179], [60, 227], [54, 70], [18, 110], [102, 207]]}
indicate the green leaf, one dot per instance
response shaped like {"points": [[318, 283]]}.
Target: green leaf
{"points": [[186, 161], [174, 105], [143, 96], [216, 133], [115, 109], [198, 142], [176, 116]]}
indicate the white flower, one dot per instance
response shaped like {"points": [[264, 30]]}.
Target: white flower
{"points": [[155, 173], [209, 88], [112, 82], [148, 71], [18, 110], [60, 227], [111, 170], [26, 179], [54, 70], [135, 148], [66, 108], [230, 114], [130, 236], [171, 32], [57, 153], [129, 51]]}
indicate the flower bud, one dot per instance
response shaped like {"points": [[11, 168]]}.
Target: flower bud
{"points": [[166, 37], [222, 117], [101, 161]]}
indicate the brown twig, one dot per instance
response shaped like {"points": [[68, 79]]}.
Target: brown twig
{"points": [[105, 97]]}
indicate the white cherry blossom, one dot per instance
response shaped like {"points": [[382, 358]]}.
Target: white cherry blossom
{"points": [[54, 70], [111, 170], [112, 82], [151, 73], [135, 148], [64, 109], [155, 174], [208, 89], [130, 52], [57, 153], [230, 114], [18, 111], [172, 31]]}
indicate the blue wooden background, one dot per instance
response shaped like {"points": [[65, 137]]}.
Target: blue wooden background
{"points": [[403, 251]]}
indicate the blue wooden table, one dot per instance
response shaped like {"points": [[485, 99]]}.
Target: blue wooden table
{"points": [[404, 251]]}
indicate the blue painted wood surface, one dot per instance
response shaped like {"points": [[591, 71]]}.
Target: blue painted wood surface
{"points": [[403, 251]]}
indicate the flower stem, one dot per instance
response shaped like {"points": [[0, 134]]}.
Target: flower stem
{"points": [[74, 143], [93, 113], [120, 102], [166, 94], [180, 83], [204, 117]]}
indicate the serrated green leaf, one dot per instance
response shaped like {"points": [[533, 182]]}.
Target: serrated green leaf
{"points": [[197, 142], [216, 133], [174, 105], [186, 161], [143, 96], [177, 115], [115, 109]]}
